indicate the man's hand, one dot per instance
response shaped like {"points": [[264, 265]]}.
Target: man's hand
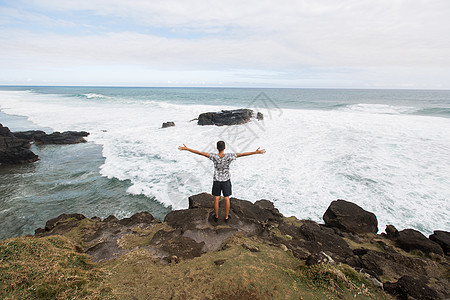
{"points": [[183, 147], [260, 151]]}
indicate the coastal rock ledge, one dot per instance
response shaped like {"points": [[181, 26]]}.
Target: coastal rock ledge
{"points": [[15, 146], [410, 272]]}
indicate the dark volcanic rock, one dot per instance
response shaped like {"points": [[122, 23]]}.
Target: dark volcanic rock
{"points": [[173, 243], [67, 137], [14, 150], [168, 124], [443, 239], [391, 232], [40, 137], [395, 265], [409, 287], [29, 135], [410, 239], [225, 117], [204, 200], [350, 217], [66, 219]]}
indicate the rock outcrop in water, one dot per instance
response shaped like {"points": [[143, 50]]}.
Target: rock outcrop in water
{"points": [[14, 150], [15, 146], [227, 117], [56, 138], [193, 232]]}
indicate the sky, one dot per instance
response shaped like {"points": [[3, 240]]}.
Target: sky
{"points": [[299, 44]]}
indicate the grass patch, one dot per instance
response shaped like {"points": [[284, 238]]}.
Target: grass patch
{"points": [[48, 268], [339, 281], [292, 221], [278, 233], [269, 274]]}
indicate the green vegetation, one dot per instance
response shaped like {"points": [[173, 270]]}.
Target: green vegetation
{"points": [[50, 268]]}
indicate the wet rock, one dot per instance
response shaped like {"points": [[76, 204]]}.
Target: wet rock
{"points": [[30, 135], [14, 150], [350, 217], [443, 239], [225, 117], [410, 239], [168, 124], [408, 287], [67, 137], [259, 116]]}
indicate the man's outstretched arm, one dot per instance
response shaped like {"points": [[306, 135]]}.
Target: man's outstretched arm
{"points": [[193, 150], [258, 151]]}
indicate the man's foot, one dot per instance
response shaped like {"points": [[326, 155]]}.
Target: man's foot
{"points": [[226, 219], [216, 218]]}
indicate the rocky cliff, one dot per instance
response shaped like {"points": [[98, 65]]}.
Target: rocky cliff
{"points": [[404, 263]]}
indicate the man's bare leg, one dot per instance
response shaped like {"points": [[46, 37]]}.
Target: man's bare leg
{"points": [[227, 206], [216, 205]]}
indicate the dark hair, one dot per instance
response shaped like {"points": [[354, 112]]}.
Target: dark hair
{"points": [[220, 145]]}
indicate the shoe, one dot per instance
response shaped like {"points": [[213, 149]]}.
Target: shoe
{"points": [[226, 220], [216, 219]]}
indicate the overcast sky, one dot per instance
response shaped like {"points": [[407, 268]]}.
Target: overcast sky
{"points": [[306, 44]]}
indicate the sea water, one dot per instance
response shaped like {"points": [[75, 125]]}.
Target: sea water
{"points": [[385, 150]]}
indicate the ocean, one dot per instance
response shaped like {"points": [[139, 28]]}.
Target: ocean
{"points": [[385, 150]]}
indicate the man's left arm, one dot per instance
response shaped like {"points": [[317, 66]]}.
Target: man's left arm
{"points": [[258, 151]]}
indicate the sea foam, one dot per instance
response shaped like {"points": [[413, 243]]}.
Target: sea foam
{"points": [[392, 164]]}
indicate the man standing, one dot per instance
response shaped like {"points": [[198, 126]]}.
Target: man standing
{"points": [[222, 182]]}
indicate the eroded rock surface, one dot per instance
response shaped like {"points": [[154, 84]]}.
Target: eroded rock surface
{"points": [[192, 232]]}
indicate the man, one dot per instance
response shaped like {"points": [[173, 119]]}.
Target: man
{"points": [[222, 182]]}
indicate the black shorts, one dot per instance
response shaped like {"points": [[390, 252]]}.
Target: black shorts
{"points": [[222, 186]]}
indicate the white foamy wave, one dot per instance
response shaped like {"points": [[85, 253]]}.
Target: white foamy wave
{"points": [[95, 96], [380, 109], [393, 165]]}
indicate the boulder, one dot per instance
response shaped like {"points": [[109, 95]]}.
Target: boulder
{"points": [[395, 265], [225, 117], [311, 238], [409, 287], [350, 217], [168, 124], [443, 239], [14, 150], [410, 239]]}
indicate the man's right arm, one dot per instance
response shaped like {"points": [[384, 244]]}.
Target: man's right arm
{"points": [[184, 147]]}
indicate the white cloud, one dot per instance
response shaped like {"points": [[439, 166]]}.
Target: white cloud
{"points": [[281, 37]]}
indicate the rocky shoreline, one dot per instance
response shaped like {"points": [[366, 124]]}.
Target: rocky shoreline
{"points": [[404, 263], [15, 146]]}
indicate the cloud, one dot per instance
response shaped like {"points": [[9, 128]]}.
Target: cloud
{"points": [[281, 38]]}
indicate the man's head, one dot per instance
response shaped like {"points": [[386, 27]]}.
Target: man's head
{"points": [[220, 145]]}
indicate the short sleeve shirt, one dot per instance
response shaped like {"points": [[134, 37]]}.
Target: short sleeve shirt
{"points": [[222, 165]]}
